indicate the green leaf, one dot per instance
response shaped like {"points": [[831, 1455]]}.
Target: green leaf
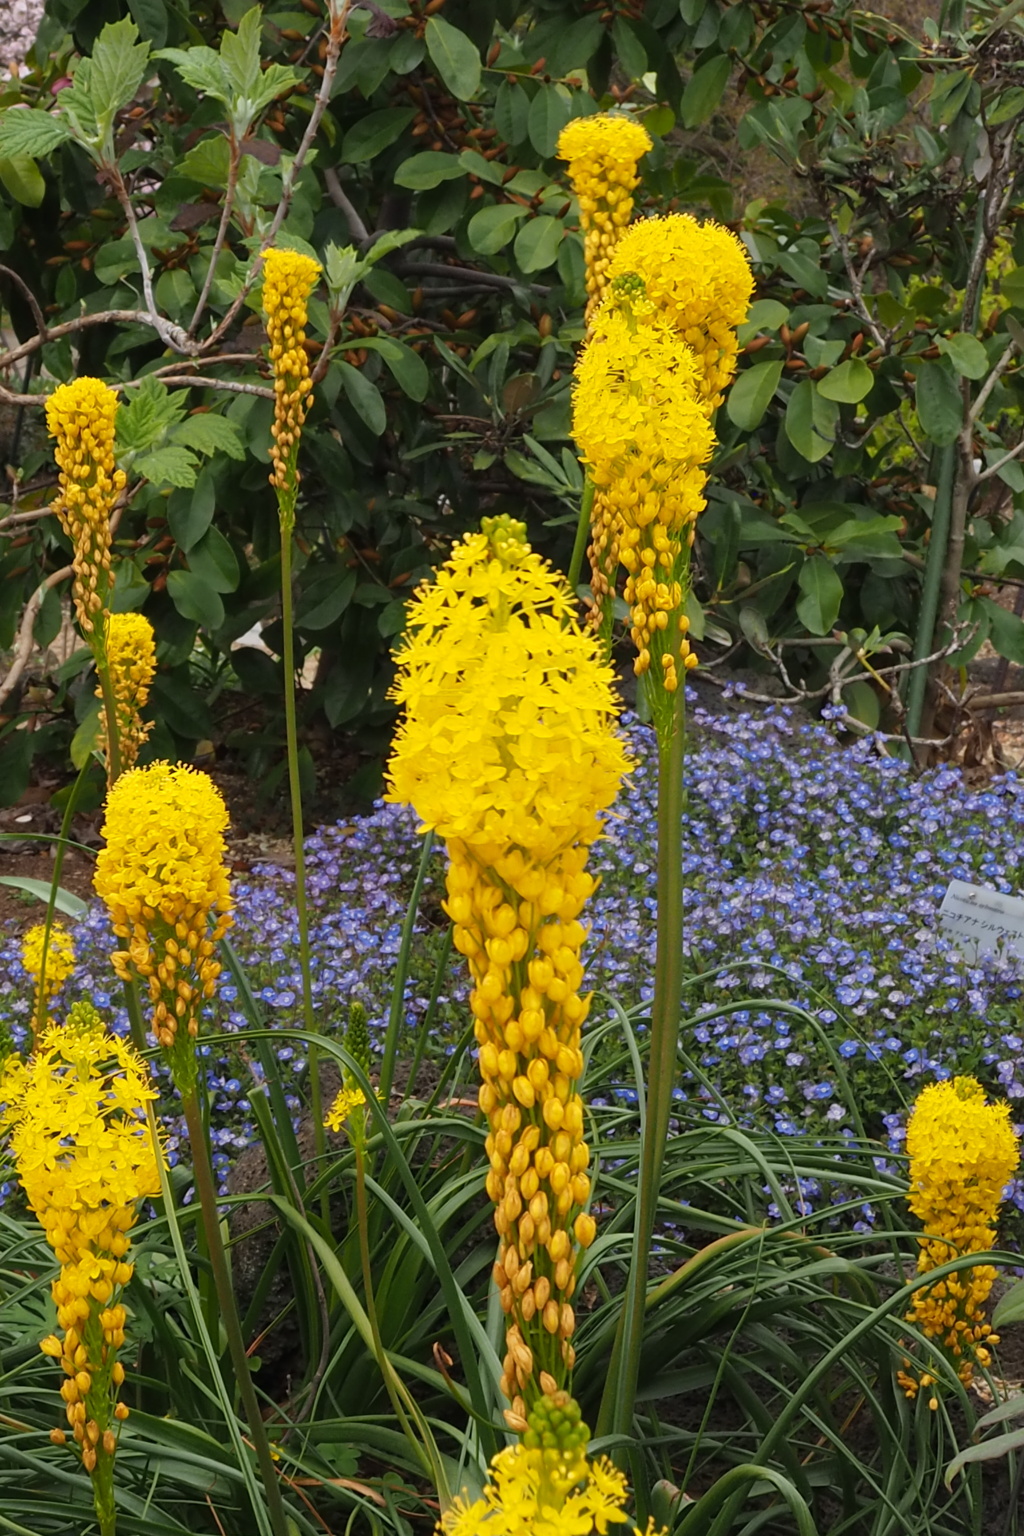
{"points": [[214, 561], [115, 259], [537, 243], [23, 180], [201, 68], [207, 162], [409, 370], [862, 702], [764, 315], [325, 593], [512, 112], [491, 229], [167, 466], [1010, 1309], [240, 53], [950, 89], [939, 404], [988, 1450], [428, 169], [454, 57], [151, 18], [27, 131], [190, 513], [195, 599], [175, 292], [118, 67], [804, 271], [550, 110], [966, 353], [66, 901], [375, 132], [207, 433], [811, 422], [364, 398], [751, 394], [149, 412], [629, 50], [1011, 283], [821, 594], [704, 91], [848, 383], [86, 740], [1006, 631]]}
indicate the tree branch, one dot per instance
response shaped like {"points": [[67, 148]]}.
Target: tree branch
{"points": [[993, 469], [469, 274], [336, 192], [992, 380], [23, 643], [172, 335], [228, 386], [234, 160]]}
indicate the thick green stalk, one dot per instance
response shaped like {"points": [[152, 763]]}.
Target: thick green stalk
{"points": [[397, 1011], [301, 905], [616, 1415], [207, 1192], [579, 548], [935, 563], [110, 709]]}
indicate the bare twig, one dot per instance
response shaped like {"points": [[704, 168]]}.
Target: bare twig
{"points": [[23, 643], [234, 160], [992, 380], [336, 192], [172, 335], [468, 276], [14, 519], [228, 386], [993, 469], [856, 281], [68, 328], [995, 701], [29, 297]]}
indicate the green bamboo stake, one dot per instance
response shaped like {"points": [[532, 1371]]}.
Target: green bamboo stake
{"points": [[579, 547], [935, 563]]}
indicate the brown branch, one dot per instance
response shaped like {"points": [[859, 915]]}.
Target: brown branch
{"points": [[469, 276], [995, 701], [228, 385], [338, 196], [68, 328], [23, 643], [234, 161], [29, 297]]}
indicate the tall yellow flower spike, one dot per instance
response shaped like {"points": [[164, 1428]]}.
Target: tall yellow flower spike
{"points": [[603, 152], [508, 750], [80, 417], [75, 1112], [645, 437], [48, 972], [131, 658], [698, 278], [963, 1153], [163, 876], [288, 280]]}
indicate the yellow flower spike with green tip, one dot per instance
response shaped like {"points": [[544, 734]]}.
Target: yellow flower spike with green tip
{"points": [[49, 974], [80, 418], [288, 280], [131, 659], [603, 152]]}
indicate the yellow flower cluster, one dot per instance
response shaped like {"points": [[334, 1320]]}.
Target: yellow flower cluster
{"points": [[50, 970], [508, 750], [963, 1153], [644, 435], [603, 152], [699, 279], [76, 1117], [545, 1486], [131, 659], [288, 280], [163, 877], [80, 416]]}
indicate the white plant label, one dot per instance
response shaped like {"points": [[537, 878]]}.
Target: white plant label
{"points": [[980, 921]]}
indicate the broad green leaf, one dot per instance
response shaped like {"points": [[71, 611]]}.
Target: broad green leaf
{"points": [[23, 180], [629, 50], [550, 110], [512, 112], [86, 740], [190, 512], [169, 465], [966, 353], [1006, 631], [150, 17], [1009, 104], [751, 394], [214, 560], [848, 383], [1011, 283], [1010, 1309], [428, 169], [240, 53], [66, 902], [939, 403], [811, 422], [862, 702], [146, 415], [950, 89], [175, 292], [195, 599], [454, 56], [764, 315], [118, 67], [27, 131], [804, 271], [988, 1450], [201, 68], [491, 229], [325, 591], [409, 370], [208, 433], [375, 132], [705, 90], [537, 242], [207, 162], [115, 259], [364, 398], [821, 593]]}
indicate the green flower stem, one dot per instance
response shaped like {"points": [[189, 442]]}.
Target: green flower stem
{"points": [[397, 1011], [579, 549], [114, 763], [301, 905], [616, 1415], [207, 1192], [103, 1495]]}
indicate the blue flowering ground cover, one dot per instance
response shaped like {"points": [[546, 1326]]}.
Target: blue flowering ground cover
{"points": [[814, 874]]}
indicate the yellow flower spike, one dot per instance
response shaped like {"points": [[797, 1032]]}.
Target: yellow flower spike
{"points": [[80, 417], [699, 279], [131, 659], [163, 876], [288, 280], [508, 750], [77, 1133], [963, 1152], [603, 152], [59, 964]]}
